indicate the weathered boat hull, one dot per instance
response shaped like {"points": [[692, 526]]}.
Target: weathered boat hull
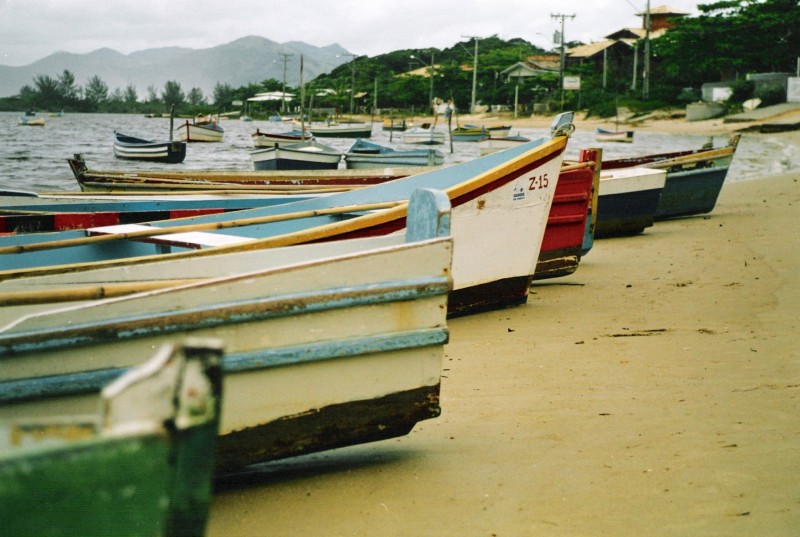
{"points": [[512, 190], [628, 201], [131, 148], [344, 130], [694, 178], [562, 244], [297, 156], [191, 132], [141, 467], [692, 192], [602, 135], [418, 135], [365, 155], [320, 353], [269, 139]]}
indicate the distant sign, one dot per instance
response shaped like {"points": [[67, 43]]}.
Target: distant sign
{"points": [[572, 82], [237, 103]]}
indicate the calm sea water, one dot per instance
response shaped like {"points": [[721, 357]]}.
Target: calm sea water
{"points": [[34, 158]]}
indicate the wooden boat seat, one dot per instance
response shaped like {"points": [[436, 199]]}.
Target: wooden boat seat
{"points": [[191, 239]]}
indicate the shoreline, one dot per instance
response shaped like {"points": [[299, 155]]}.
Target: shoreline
{"points": [[655, 391]]}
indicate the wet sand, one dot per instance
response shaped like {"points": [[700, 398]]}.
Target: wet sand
{"points": [[656, 391]]}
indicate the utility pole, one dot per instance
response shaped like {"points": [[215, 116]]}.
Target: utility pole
{"points": [[646, 66], [561, 16], [283, 95], [474, 71]]}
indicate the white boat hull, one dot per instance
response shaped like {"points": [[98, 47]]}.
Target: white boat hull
{"points": [[320, 354], [189, 132]]}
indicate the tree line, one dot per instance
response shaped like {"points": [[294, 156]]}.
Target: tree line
{"points": [[729, 39]]}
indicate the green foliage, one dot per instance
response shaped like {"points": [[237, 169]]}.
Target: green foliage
{"points": [[771, 94], [729, 39]]}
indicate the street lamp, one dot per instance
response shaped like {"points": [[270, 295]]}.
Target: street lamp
{"points": [[352, 78], [431, 70]]}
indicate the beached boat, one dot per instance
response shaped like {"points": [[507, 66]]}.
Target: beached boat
{"points": [[269, 139], [490, 145], [191, 181], [469, 133], [310, 155], [627, 201], [562, 244], [603, 135], [510, 190], [397, 125], [327, 345], [363, 154], [694, 177], [340, 130], [498, 131], [423, 135], [31, 121], [133, 148], [201, 129], [143, 465], [61, 211]]}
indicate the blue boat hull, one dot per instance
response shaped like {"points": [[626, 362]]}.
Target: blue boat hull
{"points": [[691, 193], [626, 214]]}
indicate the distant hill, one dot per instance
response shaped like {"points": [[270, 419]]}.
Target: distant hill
{"points": [[244, 61]]}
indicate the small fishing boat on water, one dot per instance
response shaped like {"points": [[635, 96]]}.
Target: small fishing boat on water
{"points": [[133, 148], [603, 135], [423, 135], [203, 128], [334, 129], [269, 139], [31, 121], [364, 154], [310, 155]]}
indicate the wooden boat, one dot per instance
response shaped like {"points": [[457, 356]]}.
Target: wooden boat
{"points": [[498, 131], [490, 145], [269, 139], [507, 190], [132, 148], [694, 177], [201, 129], [38, 213], [340, 130], [327, 345], [562, 244], [627, 201], [363, 154], [603, 135], [423, 135], [143, 466], [191, 181], [395, 125], [469, 133], [31, 121], [310, 155]]}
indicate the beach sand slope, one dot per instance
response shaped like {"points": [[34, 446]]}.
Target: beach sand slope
{"points": [[656, 391]]}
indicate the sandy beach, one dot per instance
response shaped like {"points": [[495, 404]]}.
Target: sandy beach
{"points": [[655, 391]]}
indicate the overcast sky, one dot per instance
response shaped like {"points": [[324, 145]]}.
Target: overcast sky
{"points": [[33, 29]]}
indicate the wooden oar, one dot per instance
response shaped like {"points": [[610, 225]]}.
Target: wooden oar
{"points": [[85, 292], [94, 239]]}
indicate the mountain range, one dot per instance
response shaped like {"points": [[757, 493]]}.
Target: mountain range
{"points": [[247, 60]]}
